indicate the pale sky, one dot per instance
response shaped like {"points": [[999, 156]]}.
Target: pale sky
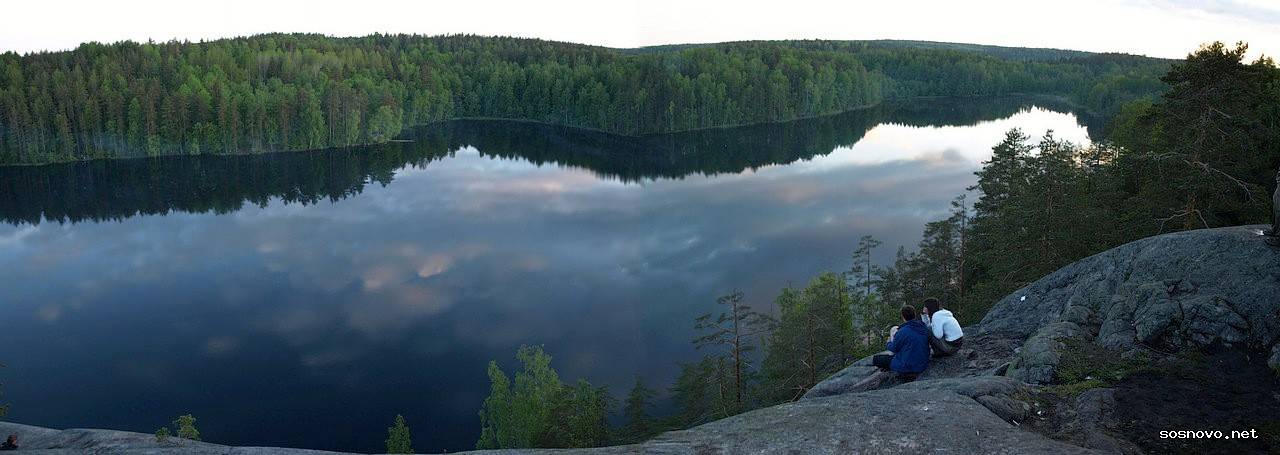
{"points": [[1160, 28]]}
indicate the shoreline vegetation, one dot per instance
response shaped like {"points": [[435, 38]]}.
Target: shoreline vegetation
{"points": [[1196, 158], [287, 92], [114, 189], [405, 137]]}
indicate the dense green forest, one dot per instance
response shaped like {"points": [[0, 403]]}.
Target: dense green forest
{"points": [[1203, 155], [100, 190], [300, 92]]}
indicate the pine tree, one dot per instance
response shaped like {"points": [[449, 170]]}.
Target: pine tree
{"points": [[398, 437], [698, 392], [578, 417], [861, 274], [813, 338], [639, 424], [871, 314], [1203, 155], [730, 334]]}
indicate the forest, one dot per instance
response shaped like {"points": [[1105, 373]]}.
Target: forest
{"points": [[1202, 155], [282, 92], [102, 190]]}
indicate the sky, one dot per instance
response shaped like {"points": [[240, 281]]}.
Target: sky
{"points": [[1158, 28]]}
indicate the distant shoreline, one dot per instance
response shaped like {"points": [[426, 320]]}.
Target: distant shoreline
{"points": [[1029, 96]]}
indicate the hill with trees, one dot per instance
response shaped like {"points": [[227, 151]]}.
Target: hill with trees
{"points": [[283, 92]]}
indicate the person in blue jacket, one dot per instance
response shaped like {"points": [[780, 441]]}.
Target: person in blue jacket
{"points": [[909, 347]]}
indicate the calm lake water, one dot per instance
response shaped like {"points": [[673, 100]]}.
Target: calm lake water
{"points": [[304, 299]]}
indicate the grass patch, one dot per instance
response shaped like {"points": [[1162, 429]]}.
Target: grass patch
{"points": [[1076, 388], [1084, 366]]}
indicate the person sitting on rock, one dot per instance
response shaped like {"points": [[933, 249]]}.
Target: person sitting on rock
{"points": [[946, 336], [11, 443], [908, 348]]}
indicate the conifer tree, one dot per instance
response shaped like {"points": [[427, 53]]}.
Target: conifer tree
{"points": [[398, 437]]}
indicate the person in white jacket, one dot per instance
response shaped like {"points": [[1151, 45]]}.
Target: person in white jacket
{"points": [[947, 336]]}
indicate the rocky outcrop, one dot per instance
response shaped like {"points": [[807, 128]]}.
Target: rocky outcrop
{"points": [[984, 354], [1180, 292], [1089, 420], [47, 441], [877, 422], [1170, 293], [880, 421]]}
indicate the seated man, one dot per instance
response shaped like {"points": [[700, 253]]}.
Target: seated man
{"points": [[11, 443], [946, 334], [908, 349]]}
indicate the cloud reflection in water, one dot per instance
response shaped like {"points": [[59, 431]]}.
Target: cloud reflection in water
{"points": [[342, 312]]}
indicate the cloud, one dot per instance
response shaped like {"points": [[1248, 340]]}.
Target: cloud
{"points": [[382, 275], [1258, 12], [434, 265], [49, 313], [17, 235], [220, 345]]}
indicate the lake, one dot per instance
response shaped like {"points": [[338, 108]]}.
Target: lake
{"points": [[304, 299]]}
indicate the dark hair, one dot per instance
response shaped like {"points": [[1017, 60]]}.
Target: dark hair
{"points": [[908, 313], [932, 305]]}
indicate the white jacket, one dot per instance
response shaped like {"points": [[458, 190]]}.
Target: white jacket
{"points": [[945, 325]]}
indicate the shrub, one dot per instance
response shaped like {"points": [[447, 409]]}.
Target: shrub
{"points": [[186, 426]]}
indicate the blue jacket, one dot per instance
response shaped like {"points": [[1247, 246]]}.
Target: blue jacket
{"points": [[910, 347]]}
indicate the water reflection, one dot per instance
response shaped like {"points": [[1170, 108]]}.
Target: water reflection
{"points": [[116, 189], [305, 299]]}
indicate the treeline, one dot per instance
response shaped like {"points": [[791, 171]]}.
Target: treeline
{"points": [[116, 189], [1204, 155], [1099, 82], [297, 92]]}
